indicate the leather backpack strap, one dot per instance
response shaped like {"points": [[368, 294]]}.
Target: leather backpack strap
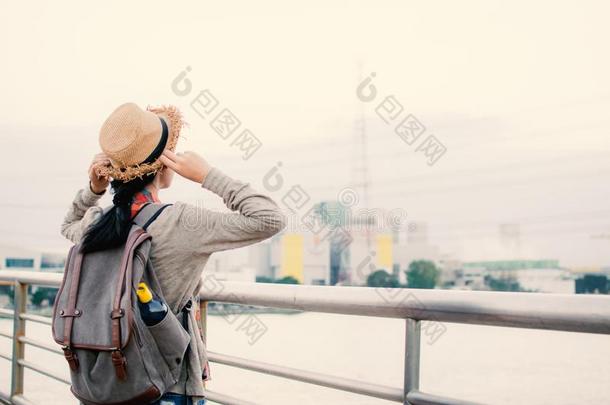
{"points": [[148, 213], [70, 312], [145, 216], [118, 358]]}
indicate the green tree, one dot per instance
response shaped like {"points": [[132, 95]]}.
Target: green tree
{"points": [[422, 274], [43, 293], [8, 290], [503, 284], [382, 278], [264, 279], [287, 280]]}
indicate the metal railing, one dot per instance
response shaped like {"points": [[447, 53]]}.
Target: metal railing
{"points": [[589, 314]]}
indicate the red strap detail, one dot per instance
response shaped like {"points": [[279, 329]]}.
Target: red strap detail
{"points": [[71, 357], [120, 364]]}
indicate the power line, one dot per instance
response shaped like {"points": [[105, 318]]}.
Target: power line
{"points": [[468, 144], [514, 182], [319, 164], [584, 158]]}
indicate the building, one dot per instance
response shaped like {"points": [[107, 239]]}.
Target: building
{"points": [[304, 256], [339, 247], [231, 265], [413, 244], [544, 276], [19, 258], [592, 280], [592, 283]]}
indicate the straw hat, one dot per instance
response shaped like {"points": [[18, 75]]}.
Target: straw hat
{"points": [[133, 139]]}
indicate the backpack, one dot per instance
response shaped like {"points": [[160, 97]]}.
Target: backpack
{"points": [[114, 357]]}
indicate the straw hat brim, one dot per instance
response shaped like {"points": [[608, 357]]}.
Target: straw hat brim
{"points": [[175, 122]]}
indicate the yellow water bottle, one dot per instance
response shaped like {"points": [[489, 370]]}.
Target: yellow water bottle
{"points": [[152, 309]]}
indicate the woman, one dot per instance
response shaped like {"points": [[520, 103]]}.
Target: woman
{"points": [[138, 160]]}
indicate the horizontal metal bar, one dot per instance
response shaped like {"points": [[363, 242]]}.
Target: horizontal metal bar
{"points": [[577, 313], [6, 335], [32, 277], [36, 318], [43, 371], [42, 345], [6, 356], [213, 396], [225, 399], [5, 397], [326, 380], [21, 400], [421, 398], [6, 312]]}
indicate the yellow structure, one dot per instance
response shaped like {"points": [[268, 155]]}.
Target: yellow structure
{"points": [[292, 256], [384, 252]]}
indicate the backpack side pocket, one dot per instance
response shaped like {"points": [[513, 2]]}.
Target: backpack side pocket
{"points": [[172, 341]]}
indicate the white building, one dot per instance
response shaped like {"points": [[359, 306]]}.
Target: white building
{"points": [[231, 265], [411, 245], [33, 259], [546, 280]]}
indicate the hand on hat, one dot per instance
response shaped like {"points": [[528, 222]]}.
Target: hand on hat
{"points": [[98, 183], [188, 165]]}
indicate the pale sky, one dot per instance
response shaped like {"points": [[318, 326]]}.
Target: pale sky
{"points": [[518, 92]]}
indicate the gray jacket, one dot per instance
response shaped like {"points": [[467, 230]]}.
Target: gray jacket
{"points": [[183, 238]]}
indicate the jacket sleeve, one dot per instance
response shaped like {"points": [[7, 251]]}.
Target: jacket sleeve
{"points": [[83, 211], [258, 217]]}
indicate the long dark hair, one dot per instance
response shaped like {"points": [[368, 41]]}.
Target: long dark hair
{"points": [[112, 228]]}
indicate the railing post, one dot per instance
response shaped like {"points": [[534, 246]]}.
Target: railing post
{"points": [[412, 347], [21, 296]]}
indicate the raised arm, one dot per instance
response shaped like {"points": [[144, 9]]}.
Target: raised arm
{"points": [[82, 212], [206, 231], [84, 208]]}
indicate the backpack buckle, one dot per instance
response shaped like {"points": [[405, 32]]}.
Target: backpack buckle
{"points": [[185, 310], [71, 357], [187, 306], [120, 364]]}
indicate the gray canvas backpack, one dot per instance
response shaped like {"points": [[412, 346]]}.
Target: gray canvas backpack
{"points": [[114, 358]]}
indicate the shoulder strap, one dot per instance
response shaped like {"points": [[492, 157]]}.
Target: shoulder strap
{"points": [[143, 218], [148, 213]]}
